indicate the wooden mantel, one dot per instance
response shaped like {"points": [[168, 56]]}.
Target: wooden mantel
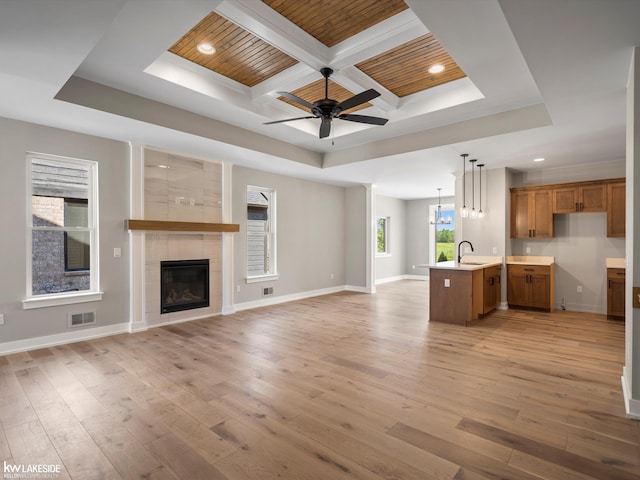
{"points": [[167, 226]]}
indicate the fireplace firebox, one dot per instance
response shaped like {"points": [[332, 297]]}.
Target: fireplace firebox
{"points": [[184, 285]]}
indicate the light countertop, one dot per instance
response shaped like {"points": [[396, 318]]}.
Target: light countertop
{"points": [[615, 263], [530, 260], [469, 263]]}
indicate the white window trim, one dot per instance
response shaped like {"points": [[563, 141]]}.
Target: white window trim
{"points": [[94, 293], [273, 225], [387, 234]]}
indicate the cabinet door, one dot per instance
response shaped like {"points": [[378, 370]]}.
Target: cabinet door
{"points": [[616, 209], [593, 198], [615, 292], [520, 215], [565, 200], [491, 289], [542, 215], [517, 286], [539, 290]]}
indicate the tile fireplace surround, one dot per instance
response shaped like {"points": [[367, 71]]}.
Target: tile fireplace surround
{"points": [[180, 189]]}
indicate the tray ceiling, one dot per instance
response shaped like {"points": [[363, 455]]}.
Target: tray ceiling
{"points": [[276, 45]]}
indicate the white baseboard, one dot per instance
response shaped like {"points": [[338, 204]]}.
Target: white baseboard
{"points": [[631, 406], [354, 288], [264, 302], [401, 277], [62, 338]]}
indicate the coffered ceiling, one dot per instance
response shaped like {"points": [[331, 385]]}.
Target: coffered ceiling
{"points": [[522, 79]]}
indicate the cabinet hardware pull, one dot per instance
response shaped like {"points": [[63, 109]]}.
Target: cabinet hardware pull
{"points": [[581, 206], [609, 284], [534, 233], [577, 209]]}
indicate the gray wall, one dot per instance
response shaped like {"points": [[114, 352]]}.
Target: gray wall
{"points": [[356, 237], [16, 138], [310, 235], [393, 264], [580, 245]]}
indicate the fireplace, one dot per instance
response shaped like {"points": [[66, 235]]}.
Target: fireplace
{"points": [[184, 284]]}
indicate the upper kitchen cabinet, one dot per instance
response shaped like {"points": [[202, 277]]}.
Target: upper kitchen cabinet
{"points": [[616, 211], [531, 213], [580, 197]]}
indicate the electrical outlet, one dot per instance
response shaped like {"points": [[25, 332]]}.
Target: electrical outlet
{"points": [[447, 282], [527, 250], [494, 250], [332, 276], [579, 289], [413, 267], [117, 252], [1, 318]]}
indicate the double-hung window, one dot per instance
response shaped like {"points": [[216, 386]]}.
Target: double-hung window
{"points": [[261, 234], [62, 264]]}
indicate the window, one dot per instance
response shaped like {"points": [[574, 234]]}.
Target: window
{"points": [[261, 234], [382, 236], [442, 234], [62, 262]]}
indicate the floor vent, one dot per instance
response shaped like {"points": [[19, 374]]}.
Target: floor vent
{"points": [[81, 319], [267, 291]]}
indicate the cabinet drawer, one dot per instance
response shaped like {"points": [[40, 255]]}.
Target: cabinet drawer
{"points": [[528, 269], [615, 273]]}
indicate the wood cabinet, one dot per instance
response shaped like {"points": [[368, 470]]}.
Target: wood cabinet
{"points": [[533, 208], [616, 209], [615, 292], [492, 277], [580, 197], [530, 286], [531, 214]]}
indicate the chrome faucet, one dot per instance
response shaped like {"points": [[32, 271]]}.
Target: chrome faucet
{"points": [[459, 245]]}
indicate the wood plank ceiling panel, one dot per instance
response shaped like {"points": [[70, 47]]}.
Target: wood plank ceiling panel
{"points": [[404, 70], [333, 21], [240, 55], [315, 91]]}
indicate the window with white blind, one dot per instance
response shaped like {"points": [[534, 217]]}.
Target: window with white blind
{"points": [[261, 234]]}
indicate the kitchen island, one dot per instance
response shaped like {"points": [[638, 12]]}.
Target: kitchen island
{"points": [[462, 292]]}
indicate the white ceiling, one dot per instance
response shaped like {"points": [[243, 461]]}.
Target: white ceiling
{"points": [[546, 78]]}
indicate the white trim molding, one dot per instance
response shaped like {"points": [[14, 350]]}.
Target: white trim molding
{"points": [[62, 338], [287, 298], [631, 406]]}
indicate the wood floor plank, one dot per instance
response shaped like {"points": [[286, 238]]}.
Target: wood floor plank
{"points": [[342, 386]]}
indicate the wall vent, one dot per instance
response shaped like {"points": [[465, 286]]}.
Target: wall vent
{"points": [[81, 319], [267, 291]]}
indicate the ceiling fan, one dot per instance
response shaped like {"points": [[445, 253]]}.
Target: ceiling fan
{"points": [[327, 109]]}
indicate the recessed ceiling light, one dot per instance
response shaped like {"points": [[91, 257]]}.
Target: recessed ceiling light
{"points": [[436, 68], [206, 48], [538, 159]]}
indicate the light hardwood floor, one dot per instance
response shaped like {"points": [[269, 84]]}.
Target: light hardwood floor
{"points": [[344, 386]]}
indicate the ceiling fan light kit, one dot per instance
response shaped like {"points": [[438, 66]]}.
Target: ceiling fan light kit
{"points": [[327, 108]]}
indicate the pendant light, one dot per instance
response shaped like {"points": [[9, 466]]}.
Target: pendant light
{"points": [[464, 211], [473, 213], [439, 218], [480, 212]]}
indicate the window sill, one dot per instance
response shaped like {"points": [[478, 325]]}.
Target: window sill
{"points": [[42, 301], [263, 278], [382, 255]]}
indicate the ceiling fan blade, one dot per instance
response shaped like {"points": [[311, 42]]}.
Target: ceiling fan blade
{"points": [[298, 100], [358, 99], [325, 127], [288, 120], [363, 119]]}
